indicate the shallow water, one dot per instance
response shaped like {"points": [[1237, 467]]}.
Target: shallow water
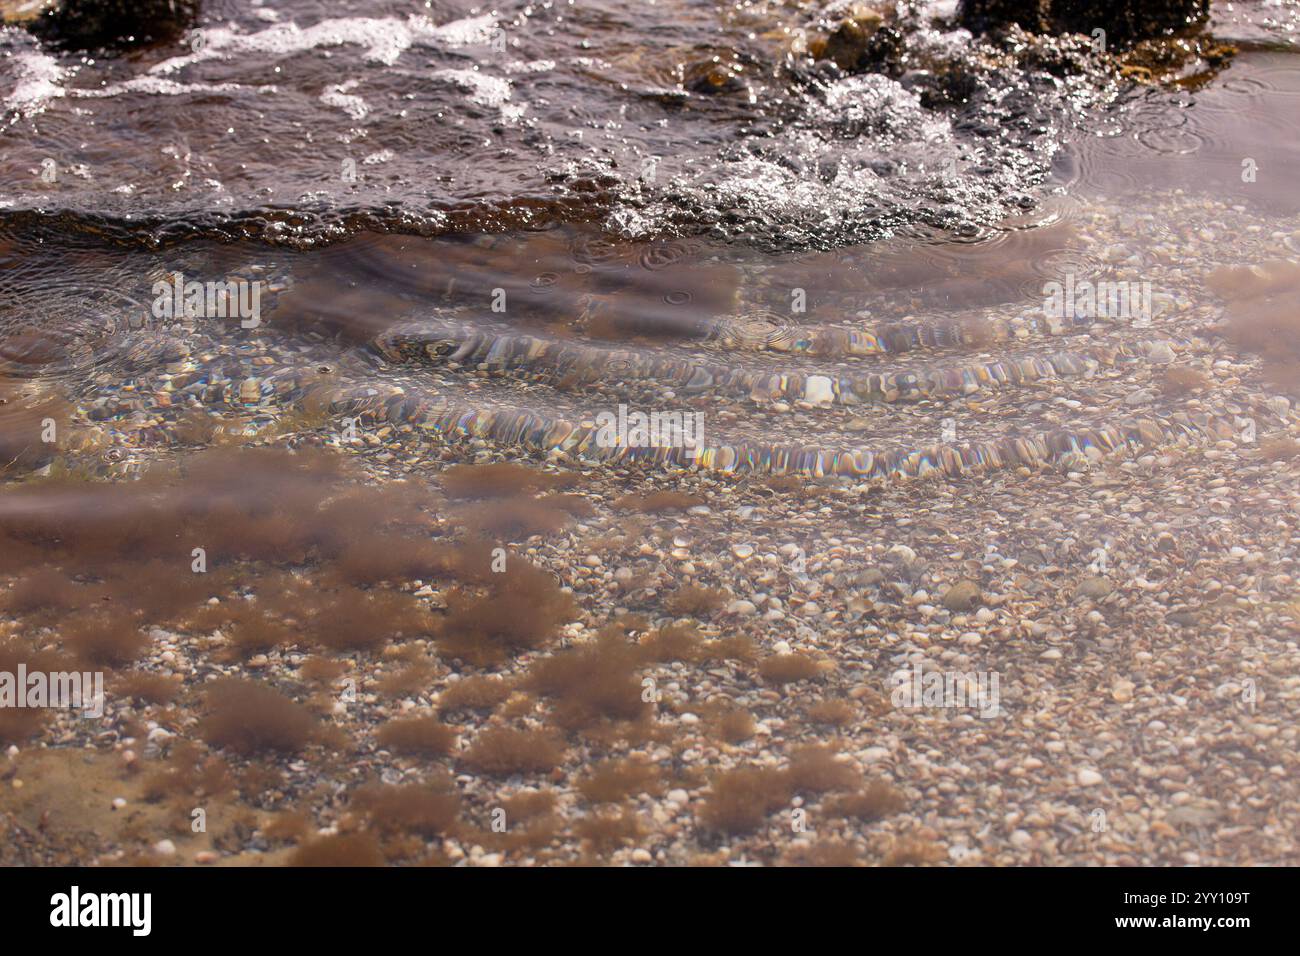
{"points": [[493, 231], [857, 360]]}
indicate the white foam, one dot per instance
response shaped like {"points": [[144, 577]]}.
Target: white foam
{"points": [[384, 40], [158, 86], [40, 79], [482, 89], [486, 90], [530, 66], [338, 96]]}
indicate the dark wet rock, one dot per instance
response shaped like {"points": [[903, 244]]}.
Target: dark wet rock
{"points": [[1124, 21], [22, 11], [1062, 56], [1127, 20], [983, 15], [713, 76], [96, 24], [862, 43], [1190, 61]]}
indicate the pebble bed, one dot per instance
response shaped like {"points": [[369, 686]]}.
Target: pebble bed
{"points": [[1124, 559]]}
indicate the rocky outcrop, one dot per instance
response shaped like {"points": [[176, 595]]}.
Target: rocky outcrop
{"points": [[22, 11], [96, 24], [981, 15], [1124, 21]]}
